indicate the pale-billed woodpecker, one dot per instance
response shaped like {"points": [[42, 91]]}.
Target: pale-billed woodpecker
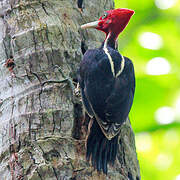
{"points": [[107, 84]]}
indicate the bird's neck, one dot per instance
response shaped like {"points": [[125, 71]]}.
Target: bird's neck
{"points": [[110, 41]]}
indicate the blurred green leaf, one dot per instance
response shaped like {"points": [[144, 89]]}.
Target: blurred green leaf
{"points": [[152, 91]]}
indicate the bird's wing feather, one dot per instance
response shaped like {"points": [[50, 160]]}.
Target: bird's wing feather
{"points": [[107, 98], [111, 102], [85, 101], [114, 112]]}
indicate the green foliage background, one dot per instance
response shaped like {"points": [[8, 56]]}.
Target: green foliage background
{"points": [[158, 145]]}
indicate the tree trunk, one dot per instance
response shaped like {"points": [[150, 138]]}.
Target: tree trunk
{"points": [[43, 128]]}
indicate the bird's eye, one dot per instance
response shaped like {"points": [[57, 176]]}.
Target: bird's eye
{"points": [[105, 15]]}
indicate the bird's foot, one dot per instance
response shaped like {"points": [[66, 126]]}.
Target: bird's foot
{"points": [[80, 10], [77, 90]]}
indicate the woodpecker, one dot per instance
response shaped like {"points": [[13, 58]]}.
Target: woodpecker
{"points": [[107, 84]]}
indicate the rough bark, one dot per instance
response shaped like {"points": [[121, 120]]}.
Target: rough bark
{"points": [[42, 126]]}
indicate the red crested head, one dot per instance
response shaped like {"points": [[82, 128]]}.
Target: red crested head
{"points": [[113, 21]]}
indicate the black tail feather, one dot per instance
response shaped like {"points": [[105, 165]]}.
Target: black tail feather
{"points": [[105, 159], [99, 157], [100, 150], [110, 152], [94, 154], [90, 148]]}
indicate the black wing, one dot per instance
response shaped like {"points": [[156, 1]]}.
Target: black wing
{"points": [[84, 98], [107, 98]]}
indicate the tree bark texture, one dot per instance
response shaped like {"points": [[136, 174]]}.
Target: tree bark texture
{"points": [[42, 125]]}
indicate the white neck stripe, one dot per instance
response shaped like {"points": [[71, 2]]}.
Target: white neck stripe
{"points": [[111, 61], [109, 56], [122, 66]]}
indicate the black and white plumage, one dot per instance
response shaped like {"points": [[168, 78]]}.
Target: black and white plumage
{"points": [[107, 85]]}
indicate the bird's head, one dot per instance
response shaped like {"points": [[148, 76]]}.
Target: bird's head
{"points": [[113, 21]]}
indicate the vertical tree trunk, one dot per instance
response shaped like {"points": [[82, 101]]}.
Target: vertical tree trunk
{"points": [[42, 127]]}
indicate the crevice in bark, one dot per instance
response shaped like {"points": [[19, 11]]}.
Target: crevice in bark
{"points": [[73, 178], [5, 49], [55, 173], [76, 132], [15, 167], [34, 40], [29, 129], [137, 178], [130, 176], [48, 156], [54, 122], [40, 176], [19, 144], [28, 170], [43, 6], [33, 159], [83, 47], [81, 121]]}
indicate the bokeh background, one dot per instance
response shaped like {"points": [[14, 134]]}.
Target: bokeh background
{"points": [[152, 41]]}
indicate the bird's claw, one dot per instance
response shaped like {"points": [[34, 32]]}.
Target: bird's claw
{"points": [[77, 90], [80, 10]]}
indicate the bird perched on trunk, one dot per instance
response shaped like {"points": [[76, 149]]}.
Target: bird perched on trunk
{"points": [[107, 84]]}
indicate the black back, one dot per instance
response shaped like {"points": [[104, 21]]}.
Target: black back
{"points": [[109, 97]]}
